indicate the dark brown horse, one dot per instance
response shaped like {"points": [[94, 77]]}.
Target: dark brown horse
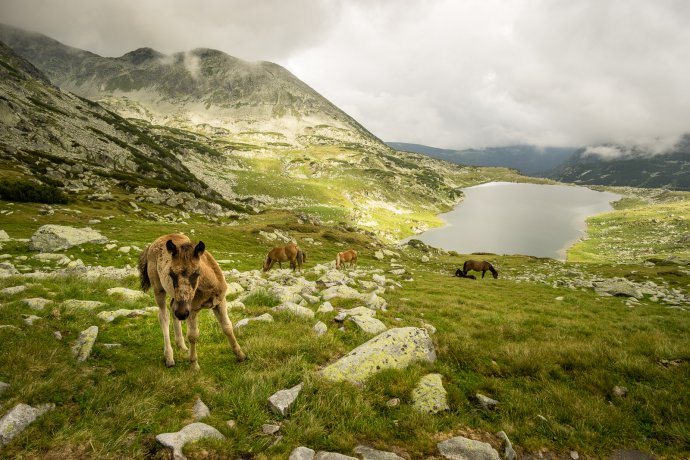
{"points": [[461, 274], [346, 256], [479, 266], [190, 275], [290, 253]]}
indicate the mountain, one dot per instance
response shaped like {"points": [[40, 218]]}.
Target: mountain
{"points": [[51, 139], [527, 159], [622, 165], [203, 89]]}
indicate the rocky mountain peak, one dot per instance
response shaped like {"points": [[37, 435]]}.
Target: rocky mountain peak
{"points": [[141, 55]]}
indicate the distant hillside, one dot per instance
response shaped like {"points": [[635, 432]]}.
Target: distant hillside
{"points": [[530, 160], [628, 166], [203, 89]]}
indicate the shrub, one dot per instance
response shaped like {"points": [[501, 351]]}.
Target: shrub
{"points": [[33, 192]]}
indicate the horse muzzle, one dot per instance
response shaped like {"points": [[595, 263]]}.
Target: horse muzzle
{"points": [[182, 310]]}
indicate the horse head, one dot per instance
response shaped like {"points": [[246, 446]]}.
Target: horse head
{"points": [[184, 273]]}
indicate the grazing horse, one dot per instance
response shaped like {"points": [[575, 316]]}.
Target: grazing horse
{"points": [[461, 274], [346, 256], [478, 266], [290, 253], [190, 275]]}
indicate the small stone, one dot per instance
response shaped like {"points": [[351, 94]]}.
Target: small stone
{"points": [[325, 307], [302, 453], [74, 304], [124, 249], [231, 424], [281, 401], [3, 387], [560, 298], [269, 428], [461, 448], [320, 328], [30, 319], [574, 455], [13, 290], [620, 392], [82, 348], [37, 303], [18, 418], [429, 396], [424, 259], [486, 402], [200, 410], [266, 317], [192, 432], [367, 453], [57, 335], [508, 451], [429, 328], [393, 402], [295, 309], [129, 295], [110, 346], [378, 255]]}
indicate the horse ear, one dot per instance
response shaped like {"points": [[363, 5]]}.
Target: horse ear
{"points": [[199, 249], [172, 249]]}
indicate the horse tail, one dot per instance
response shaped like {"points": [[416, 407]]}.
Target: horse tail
{"points": [[143, 270], [337, 261], [267, 261]]}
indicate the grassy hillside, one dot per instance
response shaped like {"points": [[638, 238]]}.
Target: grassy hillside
{"points": [[549, 353]]}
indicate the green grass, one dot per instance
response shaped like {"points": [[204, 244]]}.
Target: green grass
{"points": [[510, 340]]}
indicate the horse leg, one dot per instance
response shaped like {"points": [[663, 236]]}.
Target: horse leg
{"points": [[192, 336], [177, 327], [164, 321], [221, 313], [483, 273]]}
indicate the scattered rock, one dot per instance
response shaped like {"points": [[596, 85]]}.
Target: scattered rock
{"points": [[340, 291], [429, 328], [630, 454], [266, 317], [281, 401], [320, 328], [74, 304], [461, 448], [29, 320], [192, 432], [302, 453], [485, 401], [325, 307], [231, 424], [51, 238], [57, 335], [378, 255], [4, 236], [3, 387], [37, 303], [357, 311], [619, 392], [129, 295], [295, 309], [425, 259], [82, 348], [109, 316], [393, 402], [375, 302], [7, 269], [367, 453], [394, 349], [617, 287], [397, 271], [429, 396], [200, 410], [124, 249], [269, 428], [13, 290], [322, 455], [110, 346], [234, 288], [508, 451], [368, 324], [18, 418], [574, 455]]}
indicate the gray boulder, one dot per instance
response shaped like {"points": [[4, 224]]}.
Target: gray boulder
{"points": [[129, 295], [302, 453], [20, 417], [37, 303], [295, 309], [281, 401], [617, 287], [367, 453], [13, 290], [4, 236], [82, 348], [508, 451], [266, 317], [51, 238], [486, 402], [323, 455], [320, 328], [7, 269], [340, 291], [192, 432], [394, 349], [200, 410], [429, 396], [460, 448], [368, 324], [75, 304]]}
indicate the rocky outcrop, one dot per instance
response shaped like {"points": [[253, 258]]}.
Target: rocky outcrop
{"points": [[461, 448], [20, 417], [393, 349], [51, 238]]}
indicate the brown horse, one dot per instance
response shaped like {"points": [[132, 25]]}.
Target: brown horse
{"points": [[461, 274], [173, 265], [346, 256], [290, 253], [478, 266]]}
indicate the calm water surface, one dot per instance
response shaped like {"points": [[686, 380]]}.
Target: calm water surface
{"points": [[509, 218]]}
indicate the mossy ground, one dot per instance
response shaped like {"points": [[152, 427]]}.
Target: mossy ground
{"points": [[552, 364]]}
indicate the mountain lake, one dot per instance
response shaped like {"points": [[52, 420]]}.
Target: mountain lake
{"points": [[517, 218]]}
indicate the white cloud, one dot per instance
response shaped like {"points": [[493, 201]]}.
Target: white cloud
{"points": [[447, 73]]}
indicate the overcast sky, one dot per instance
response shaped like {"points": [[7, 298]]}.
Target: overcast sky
{"points": [[445, 73]]}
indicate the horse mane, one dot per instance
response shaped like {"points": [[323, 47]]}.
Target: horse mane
{"points": [[185, 252]]}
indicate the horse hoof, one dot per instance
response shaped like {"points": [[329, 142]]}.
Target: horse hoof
{"points": [[243, 358], [170, 364]]}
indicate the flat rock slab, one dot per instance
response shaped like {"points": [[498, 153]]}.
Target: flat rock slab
{"points": [[295, 309], [368, 324], [37, 303], [82, 348], [13, 290], [340, 291], [110, 316], [74, 304], [281, 401], [51, 238], [192, 432], [20, 417], [429, 396], [394, 349], [130, 295], [302, 453], [323, 455], [266, 318], [367, 453], [460, 448]]}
